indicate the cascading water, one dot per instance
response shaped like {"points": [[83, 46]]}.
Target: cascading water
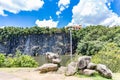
{"points": [[27, 47]]}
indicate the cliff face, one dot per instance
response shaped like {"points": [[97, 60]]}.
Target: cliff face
{"points": [[37, 44]]}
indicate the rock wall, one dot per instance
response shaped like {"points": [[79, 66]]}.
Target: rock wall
{"points": [[37, 44]]}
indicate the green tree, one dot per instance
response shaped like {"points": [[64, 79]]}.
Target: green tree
{"points": [[109, 55], [89, 47]]}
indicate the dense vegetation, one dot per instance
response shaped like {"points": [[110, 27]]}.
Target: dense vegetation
{"points": [[91, 39], [9, 32], [103, 43], [109, 55], [19, 60]]}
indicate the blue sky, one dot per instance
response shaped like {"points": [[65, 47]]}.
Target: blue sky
{"points": [[59, 13]]}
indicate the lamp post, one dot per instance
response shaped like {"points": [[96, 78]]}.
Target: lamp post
{"points": [[71, 42]]}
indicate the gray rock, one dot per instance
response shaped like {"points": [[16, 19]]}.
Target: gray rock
{"points": [[71, 69], [104, 71], [56, 61], [89, 72], [48, 68], [53, 57], [46, 42], [83, 61], [91, 66], [62, 70]]}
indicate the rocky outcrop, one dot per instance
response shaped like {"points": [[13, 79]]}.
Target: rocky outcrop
{"points": [[62, 70], [83, 62], [53, 63], [82, 66], [92, 66], [71, 69], [89, 72], [48, 68], [104, 71], [53, 57], [86, 67], [36, 44]]}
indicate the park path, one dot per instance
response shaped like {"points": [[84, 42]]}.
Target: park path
{"points": [[7, 76], [30, 74]]}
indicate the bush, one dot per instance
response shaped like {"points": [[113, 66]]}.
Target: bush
{"points": [[89, 47], [9, 62], [21, 60], [18, 60], [2, 59], [25, 61], [110, 56]]}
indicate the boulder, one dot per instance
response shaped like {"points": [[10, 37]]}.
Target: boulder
{"points": [[56, 61], [71, 69], [62, 70], [48, 68], [53, 57], [91, 66], [89, 72], [83, 62], [104, 71]]}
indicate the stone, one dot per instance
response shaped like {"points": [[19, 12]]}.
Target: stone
{"points": [[56, 61], [89, 72], [83, 61], [48, 68], [62, 70], [91, 66], [71, 69], [53, 57], [104, 71]]}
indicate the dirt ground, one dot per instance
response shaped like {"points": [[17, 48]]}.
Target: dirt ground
{"points": [[31, 74]]}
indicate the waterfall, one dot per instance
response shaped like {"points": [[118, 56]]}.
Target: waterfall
{"points": [[27, 47]]}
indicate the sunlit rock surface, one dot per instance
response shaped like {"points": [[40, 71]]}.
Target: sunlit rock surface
{"points": [[37, 44]]}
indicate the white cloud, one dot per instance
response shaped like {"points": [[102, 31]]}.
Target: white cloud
{"points": [[62, 4], [92, 12], [2, 26], [47, 23], [58, 13], [15, 6]]}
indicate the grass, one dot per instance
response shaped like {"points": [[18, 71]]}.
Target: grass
{"points": [[116, 76]]}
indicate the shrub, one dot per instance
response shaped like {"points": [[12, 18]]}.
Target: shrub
{"points": [[2, 59], [18, 60], [9, 62], [21, 60], [110, 56], [25, 61]]}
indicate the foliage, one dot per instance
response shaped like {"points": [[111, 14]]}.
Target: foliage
{"points": [[110, 56], [25, 61], [18, 60], [8, 33], [9, 62], [101, 41], [92, 34], [2, 59], [89, 47]]}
